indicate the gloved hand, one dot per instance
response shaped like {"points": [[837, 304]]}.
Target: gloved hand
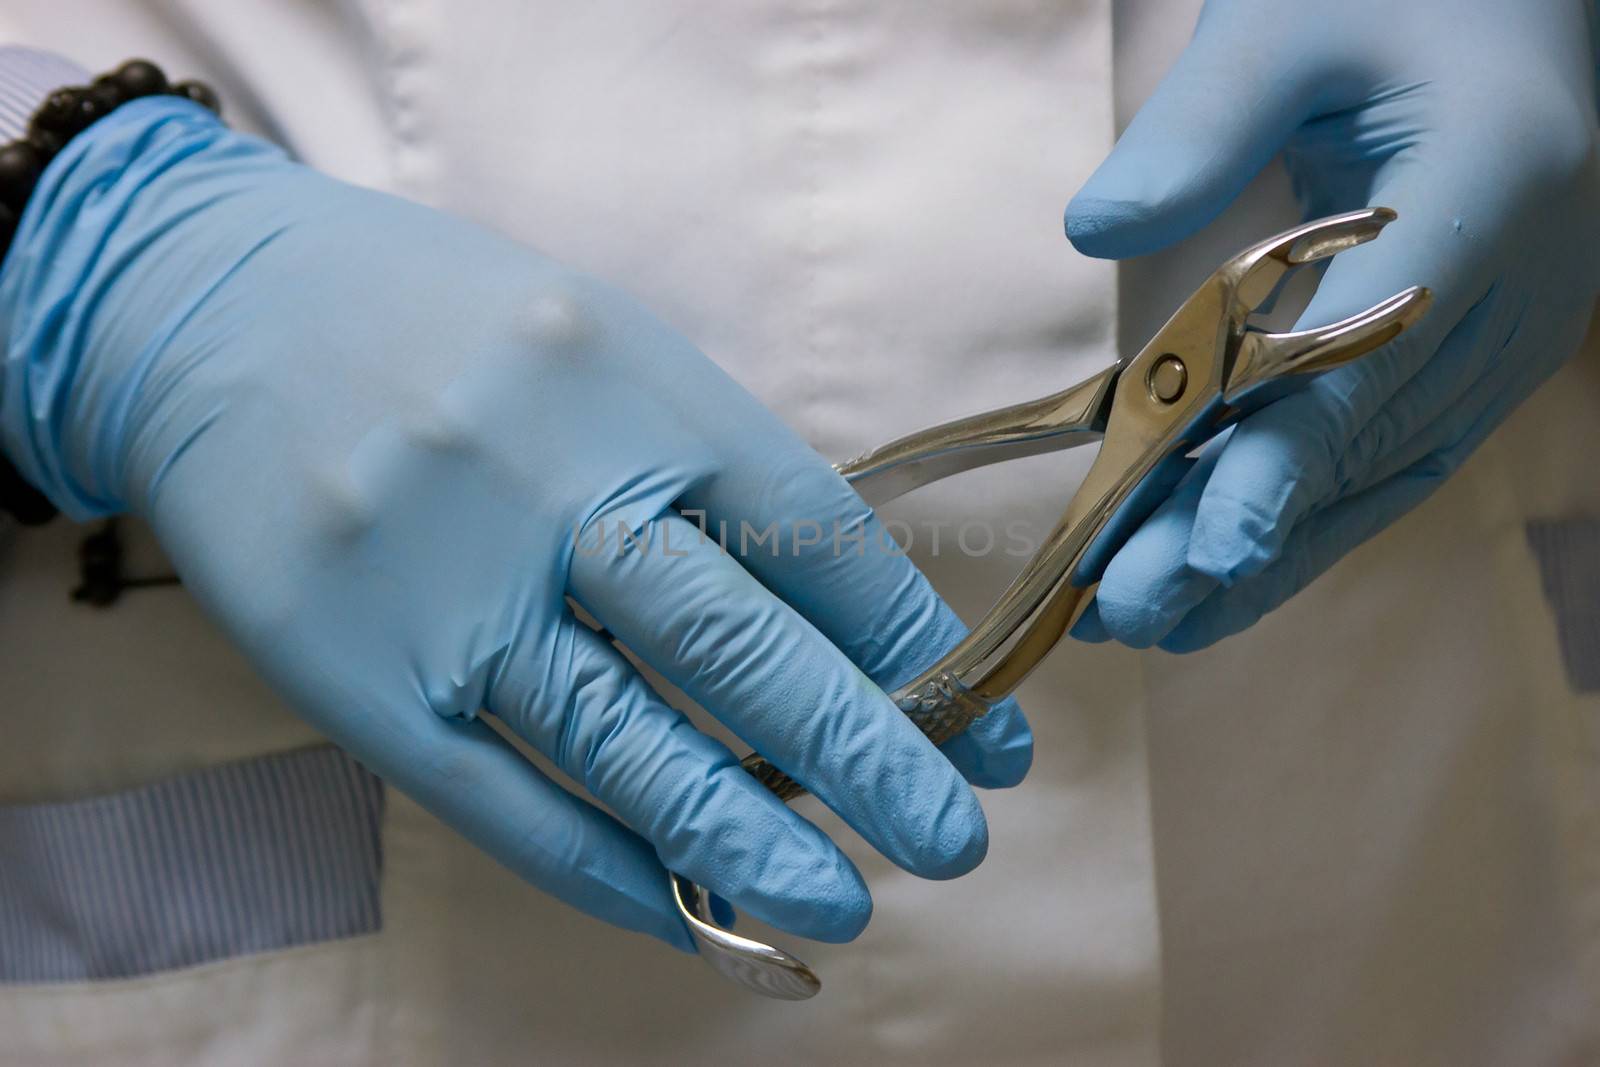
{"points": [[1475, 120], [382, 446]]}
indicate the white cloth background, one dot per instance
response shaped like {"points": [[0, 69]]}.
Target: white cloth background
{"points": [[1371, 818]]}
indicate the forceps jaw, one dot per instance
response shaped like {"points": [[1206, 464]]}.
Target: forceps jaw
{"points": [[1255, 273], [1259, 357], [760, 968], [1264, 357]]}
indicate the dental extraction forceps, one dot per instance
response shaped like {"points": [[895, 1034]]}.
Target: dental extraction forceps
{"points": [[1202, 372]]}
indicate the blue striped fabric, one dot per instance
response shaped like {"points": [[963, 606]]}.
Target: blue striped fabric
{"points": [[1569, 562], [27, 76], [241, 858]]}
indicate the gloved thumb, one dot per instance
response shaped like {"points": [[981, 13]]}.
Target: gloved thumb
{"points": [[1222, 112]]}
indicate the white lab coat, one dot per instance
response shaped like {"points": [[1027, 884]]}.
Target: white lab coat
{"points": [[1362, 832]]}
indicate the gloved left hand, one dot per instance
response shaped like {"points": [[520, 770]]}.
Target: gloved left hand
{"points": [[1475, 120], [384, 446]]}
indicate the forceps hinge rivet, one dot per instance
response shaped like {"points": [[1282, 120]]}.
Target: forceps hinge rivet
{"points": [[1167, 379]]}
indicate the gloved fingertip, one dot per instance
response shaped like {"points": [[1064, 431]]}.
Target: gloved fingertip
{"points": [[634, 904], [1140, 608], [1089, 628], [961, 853], [1139, 620], [672, 931], [1223, 614], [957, 841], [1006, 771], [996, 751], [824, 902], [839, 916], [1108, 228]]}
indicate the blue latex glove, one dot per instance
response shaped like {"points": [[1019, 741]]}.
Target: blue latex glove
{"points": [[1475, 120], [381, 446]]}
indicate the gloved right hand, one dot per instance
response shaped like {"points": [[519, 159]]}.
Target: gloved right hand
{"points": [[1475, 121], [382, 446]]}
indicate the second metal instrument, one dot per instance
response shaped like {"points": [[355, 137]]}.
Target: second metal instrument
{"points": [[1202, 372]]}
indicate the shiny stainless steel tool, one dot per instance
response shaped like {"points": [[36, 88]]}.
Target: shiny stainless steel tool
{"points": [[1202, 372]]}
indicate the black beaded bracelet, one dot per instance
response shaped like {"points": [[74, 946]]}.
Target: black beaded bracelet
{"points": [[64, 114]]}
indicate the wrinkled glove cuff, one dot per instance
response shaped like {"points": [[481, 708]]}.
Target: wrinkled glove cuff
{"points": [[62, 421], [27, 76]]}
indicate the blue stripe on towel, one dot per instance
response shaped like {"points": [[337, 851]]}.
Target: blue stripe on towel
{"points": [[27, 76], [246, 857]]}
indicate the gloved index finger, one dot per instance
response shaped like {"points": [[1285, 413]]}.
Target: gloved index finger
{"points": [[1227, 106], [834, 562]]}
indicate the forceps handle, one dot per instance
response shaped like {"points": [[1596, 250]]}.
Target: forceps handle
{"points": [[942, 706], [1072, 417]]}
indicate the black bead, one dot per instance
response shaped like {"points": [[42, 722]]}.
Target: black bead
{"points": [[139, 77], [200, 93], [19, 170], [100, 574], [26, 503], [59, 113], [107, 95], [91, 106], [76, 108], [46, 143], [31, 507]]}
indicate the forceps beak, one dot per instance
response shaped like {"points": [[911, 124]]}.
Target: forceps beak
{"points": [[760, 968], [1263, 357], [1256, 272]]}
